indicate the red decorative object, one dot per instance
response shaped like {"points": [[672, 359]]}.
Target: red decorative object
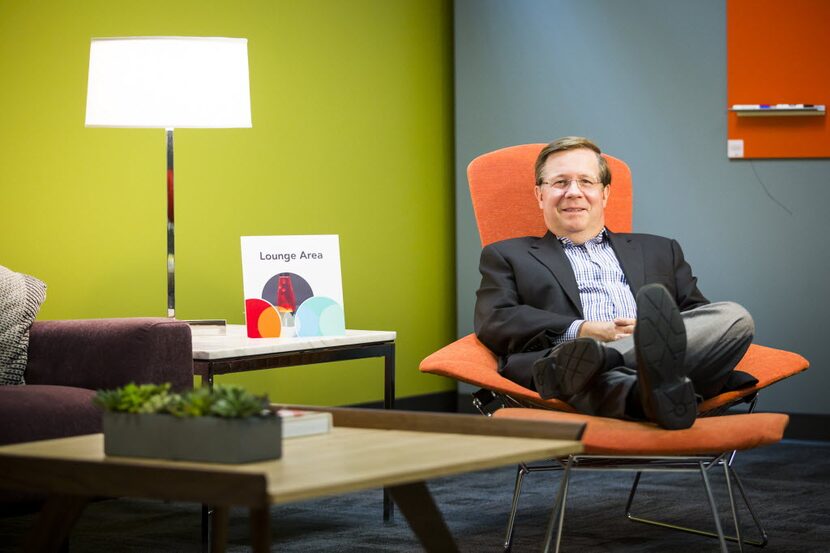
{"points": [[285, 295]]}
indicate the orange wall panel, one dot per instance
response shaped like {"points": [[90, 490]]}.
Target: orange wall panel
{"points": [[779, 53]]}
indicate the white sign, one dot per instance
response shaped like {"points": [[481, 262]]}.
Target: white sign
{"points": [[292, 286]]}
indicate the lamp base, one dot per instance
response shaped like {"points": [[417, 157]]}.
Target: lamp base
{"points": [[208, 327]]}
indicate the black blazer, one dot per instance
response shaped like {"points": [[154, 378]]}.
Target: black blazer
{"points": [[528, 293]]}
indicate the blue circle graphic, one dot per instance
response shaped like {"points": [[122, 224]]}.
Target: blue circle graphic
{"points": [[320, 316]]}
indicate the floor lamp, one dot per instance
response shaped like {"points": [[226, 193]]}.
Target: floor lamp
{"points": [[168, 83]]}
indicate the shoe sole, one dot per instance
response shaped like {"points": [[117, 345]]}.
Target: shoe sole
{"points": [[577, 363], [660, 340]]}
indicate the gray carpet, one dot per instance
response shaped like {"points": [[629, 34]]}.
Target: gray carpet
{"points": [[789, 485]]}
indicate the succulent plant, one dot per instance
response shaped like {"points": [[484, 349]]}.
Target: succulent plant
{"points": [[222, 401], [135, 398], [234, 401]]}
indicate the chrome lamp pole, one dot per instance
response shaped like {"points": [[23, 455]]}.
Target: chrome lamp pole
{"points": [[171, 231]]}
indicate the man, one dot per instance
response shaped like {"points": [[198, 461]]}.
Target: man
{"points": [[561, 313]]}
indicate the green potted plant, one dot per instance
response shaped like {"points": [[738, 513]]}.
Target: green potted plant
{"points": [[224, 425]]}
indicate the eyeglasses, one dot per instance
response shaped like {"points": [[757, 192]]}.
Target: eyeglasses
{"points": [[563, 184]]}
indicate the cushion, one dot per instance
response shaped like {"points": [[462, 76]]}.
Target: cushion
{"points": [[44, 412], [604, 436], [20, 299]]}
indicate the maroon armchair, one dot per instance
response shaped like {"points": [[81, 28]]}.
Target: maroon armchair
{"points": [[70, 359]]}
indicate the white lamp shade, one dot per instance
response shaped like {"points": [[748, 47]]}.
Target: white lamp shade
{"points": [[168, 82]]}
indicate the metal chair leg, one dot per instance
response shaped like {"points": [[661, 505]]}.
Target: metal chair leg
{"points": [[735, 518], [714, 508], [631, 494], [757, 543], [755, 519], [521, 471], [558, 515]]}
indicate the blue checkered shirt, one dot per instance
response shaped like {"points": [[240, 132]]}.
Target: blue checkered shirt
{"points": [[603, 288]]}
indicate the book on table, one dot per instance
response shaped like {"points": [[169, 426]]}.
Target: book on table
{"points": [[296, 423]]}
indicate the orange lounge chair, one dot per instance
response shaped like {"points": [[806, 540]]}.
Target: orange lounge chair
{"points": [[501, 187]]}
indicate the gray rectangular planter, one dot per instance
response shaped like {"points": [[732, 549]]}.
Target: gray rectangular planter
{"points": [[208, 439]]}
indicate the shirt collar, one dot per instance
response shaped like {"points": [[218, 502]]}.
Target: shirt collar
{"points": [[596, 240]]}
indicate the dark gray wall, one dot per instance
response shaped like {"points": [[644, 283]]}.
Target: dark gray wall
{"points": [[646, 79]]}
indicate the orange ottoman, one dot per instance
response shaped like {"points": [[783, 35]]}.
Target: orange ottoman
{"points": [[615, 444]]}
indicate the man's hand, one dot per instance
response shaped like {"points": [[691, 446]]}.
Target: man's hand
{"points": [[607, 331]]}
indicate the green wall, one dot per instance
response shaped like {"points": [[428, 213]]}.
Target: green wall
{"points": [[352, 135]]}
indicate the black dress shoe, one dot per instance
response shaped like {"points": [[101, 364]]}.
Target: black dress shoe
{"points": [[569, 369], [667, 394]]}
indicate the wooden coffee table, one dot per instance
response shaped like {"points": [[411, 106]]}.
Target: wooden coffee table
{"points": [[365, 449]]}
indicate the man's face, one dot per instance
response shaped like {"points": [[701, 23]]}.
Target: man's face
{"points": [[574, 212]]}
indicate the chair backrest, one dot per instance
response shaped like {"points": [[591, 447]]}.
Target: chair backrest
{"points": [[501, 187]]}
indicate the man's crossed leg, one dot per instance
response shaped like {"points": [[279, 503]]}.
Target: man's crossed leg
{"points": [[672, 360]]}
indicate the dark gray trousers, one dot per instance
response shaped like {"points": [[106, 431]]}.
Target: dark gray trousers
{"points": [[717, 336]]}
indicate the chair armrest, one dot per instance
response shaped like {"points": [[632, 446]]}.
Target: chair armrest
{"points": [[107, 353], [470, 361], [768, 365]]}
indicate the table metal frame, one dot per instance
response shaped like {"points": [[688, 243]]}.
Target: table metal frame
{"points": [[207, 369]]}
